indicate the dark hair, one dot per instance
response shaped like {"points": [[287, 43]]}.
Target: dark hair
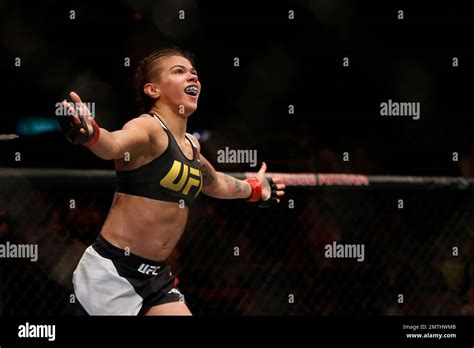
{"points": [[149, 68]]}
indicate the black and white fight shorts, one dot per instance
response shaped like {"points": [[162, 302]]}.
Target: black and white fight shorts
{"points": [[109, 281]]}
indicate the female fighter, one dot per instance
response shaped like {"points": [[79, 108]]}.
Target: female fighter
{"points": [[160, 172]]}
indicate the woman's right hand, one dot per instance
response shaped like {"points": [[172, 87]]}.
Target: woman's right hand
{"points": [[83, 111], [77, 124]]}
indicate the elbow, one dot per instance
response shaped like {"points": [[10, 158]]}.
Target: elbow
{"points": [[107, 157]]}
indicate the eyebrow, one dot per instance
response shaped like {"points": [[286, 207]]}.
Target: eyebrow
{"points": [[182, 66]]}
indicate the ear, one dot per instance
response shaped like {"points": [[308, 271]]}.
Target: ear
{"points": [[151, 91]]}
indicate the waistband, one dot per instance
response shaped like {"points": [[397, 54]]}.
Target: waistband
{"points": [[107, 250]]}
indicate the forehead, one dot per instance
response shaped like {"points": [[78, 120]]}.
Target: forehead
{"points": [[169, 61]]}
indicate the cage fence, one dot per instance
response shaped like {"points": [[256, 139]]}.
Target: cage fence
{"points": [[235, 258]]}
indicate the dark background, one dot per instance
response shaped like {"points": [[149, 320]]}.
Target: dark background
{"points": [[337, 110], [282, 62]]}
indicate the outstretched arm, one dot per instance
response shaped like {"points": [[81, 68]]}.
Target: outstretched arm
{"points": [[220, 185], [80, 128], [223, 186]]}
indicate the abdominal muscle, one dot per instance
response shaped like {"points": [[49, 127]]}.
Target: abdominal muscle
{"points": [[146, 227]]}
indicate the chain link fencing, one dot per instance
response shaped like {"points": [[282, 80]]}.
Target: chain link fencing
{"points": [[235, 258]]}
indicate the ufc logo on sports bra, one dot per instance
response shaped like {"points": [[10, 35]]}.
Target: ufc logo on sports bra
{"points": [[190, 177]]}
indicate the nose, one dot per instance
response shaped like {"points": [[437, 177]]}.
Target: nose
{"points": [[192, 78]]}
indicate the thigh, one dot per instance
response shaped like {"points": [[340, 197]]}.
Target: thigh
{"points": [[171, 308]]}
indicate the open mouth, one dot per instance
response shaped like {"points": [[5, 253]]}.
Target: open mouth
{"points": [[191, 90]]}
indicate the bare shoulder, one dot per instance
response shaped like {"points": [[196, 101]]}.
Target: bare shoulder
{"points": [[147, 124], [195, 141], [142, 121]]}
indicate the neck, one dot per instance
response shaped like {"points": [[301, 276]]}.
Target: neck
{"points": [[175, 121]]}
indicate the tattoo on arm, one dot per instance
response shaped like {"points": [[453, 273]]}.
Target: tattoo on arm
{"points": [[236, 186], [207, 176], [223, 186], [232, 184]]}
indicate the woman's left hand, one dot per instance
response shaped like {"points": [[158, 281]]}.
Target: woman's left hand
{"points": [[277, 187]]}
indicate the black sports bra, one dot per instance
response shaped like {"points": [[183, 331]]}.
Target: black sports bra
{"points": [[169, 177]]}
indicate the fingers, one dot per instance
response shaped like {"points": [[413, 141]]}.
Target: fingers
{"points": [[280, 188], [263, 169], [83, 110], [71, 111], [75, 97], [277, 182]]}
